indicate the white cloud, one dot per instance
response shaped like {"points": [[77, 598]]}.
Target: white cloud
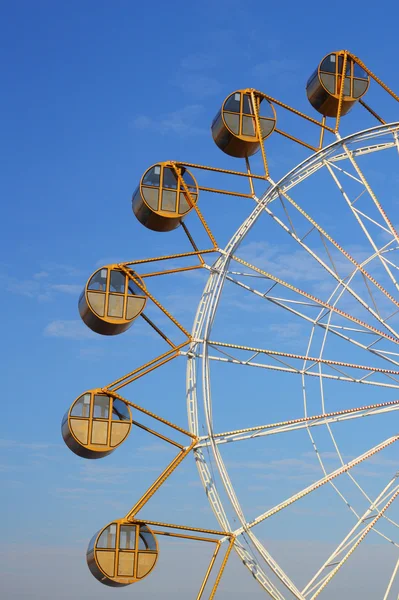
{"points": [[282, 261], [39, 285], [179, 122], [102, 474], [66, 288], [276, 68], [200, 86], [286, 331], [29, 445], [198, 61], [72, 329], [40, 275]]}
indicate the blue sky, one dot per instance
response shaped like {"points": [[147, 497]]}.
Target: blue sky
{"points": [[93, 94]]}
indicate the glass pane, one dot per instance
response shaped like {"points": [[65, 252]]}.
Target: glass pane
{"points": [[266, 126], [265, 109], [80, 429], [232, 122], [168, 201], [99, 280], [146, 561], [106, 560], [146, 539], [233, 103], [247, 105], [108, 537], [119, 431], [151, 196], [152, 176], [81, 407], [359, 87], [328, 82], [134, 306], [359, 72], [97, 302], [184, 205], [169, 179], [127, 537], [115, 306], [133, 288], [347, 86], [311, 79], [92, 542], [188, 179], [126, 564], [101, 407], [117, 283], [99, 432], [248, 126], [216, 121], [328, 64], [120, 410]]}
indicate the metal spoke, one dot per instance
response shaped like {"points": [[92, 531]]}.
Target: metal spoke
{"points": [[336, 329], [365, 532], [346, 467], [302, 423], [351, 540]]}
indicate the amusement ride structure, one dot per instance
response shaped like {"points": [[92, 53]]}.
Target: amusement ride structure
{"points": [[352, 335]]}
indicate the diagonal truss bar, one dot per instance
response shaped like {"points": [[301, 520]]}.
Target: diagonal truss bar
{"points": [[193, 204], [326, 305], [341, 92], [160, 480], [390, 583], [201, 538], [338, 246], [294, 371], [345, 468], [238, 435], [358, 218], [371, 193], [290, 368], [332, 271], [373, 76], [153, 364], [356, 544], [335, 329], [311, 359], [154, 300], [144, 261], [350, 540], [255, 106]]}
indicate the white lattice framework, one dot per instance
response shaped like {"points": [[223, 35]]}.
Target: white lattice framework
{"points": [[376, 337]]}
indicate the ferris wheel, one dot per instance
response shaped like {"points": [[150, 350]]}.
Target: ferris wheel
{"points": [[292, 359]]}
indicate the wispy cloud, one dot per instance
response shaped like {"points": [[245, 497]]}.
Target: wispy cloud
{"points": [[72, 329], [44, 285], [286, 331], [40, 275], [200, 86], [282, 261], [276, 68], [91, 353], [26, 445], [181, 122], [198, 61], [102, 475], [67, 288]]}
